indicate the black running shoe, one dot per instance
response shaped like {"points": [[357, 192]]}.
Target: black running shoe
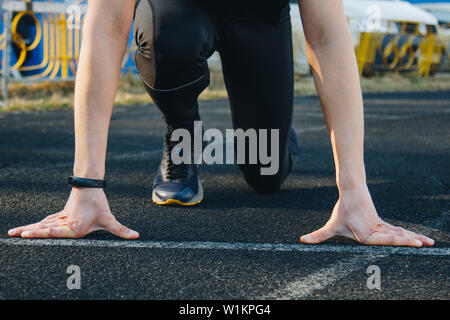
{"points": [[176, 184]]}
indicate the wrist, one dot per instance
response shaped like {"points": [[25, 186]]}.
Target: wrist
{"points": [[87, 195]]}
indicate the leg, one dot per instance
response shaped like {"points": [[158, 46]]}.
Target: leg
{"points": [[174, 39], [258, 71]]}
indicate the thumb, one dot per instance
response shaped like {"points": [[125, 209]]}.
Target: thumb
{"points": [[318, 236], [119, 230]]}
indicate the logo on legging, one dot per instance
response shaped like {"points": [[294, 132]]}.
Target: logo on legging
{"points": [[255, 147]]}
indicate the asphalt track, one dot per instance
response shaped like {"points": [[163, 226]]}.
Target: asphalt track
{"points": [[236, 244]]}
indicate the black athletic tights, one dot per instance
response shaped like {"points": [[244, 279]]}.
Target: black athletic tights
{"points": [[176, 37]]}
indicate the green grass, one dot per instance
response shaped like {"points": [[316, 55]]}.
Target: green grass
{"points": [[49, 96]]}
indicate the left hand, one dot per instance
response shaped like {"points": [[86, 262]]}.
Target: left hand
{"points": [[86, 211], [354, 216]]}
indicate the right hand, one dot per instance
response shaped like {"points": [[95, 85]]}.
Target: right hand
{"points": [[87, 210]]}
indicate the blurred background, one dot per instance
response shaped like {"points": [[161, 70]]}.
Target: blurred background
{"points": [[399, 46]]}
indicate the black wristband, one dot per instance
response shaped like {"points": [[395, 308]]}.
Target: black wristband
{"points": [[86, 183]]}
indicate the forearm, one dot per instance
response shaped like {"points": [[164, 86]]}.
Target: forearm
{"points": [[332, 58], [95, 90]]}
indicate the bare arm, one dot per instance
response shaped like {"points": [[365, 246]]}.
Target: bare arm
{"points": [[332, 59], [330, 52], [105, 37], [105, 40]]}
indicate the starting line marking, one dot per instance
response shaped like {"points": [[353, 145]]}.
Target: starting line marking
{"points": [[237, 246]]}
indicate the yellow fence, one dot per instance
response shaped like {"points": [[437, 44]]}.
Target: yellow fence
{"points": [[56, 41], [60, 45]]}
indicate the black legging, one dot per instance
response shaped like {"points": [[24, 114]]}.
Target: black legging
{"points": [[176, 37]]}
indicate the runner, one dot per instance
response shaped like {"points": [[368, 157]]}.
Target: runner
{"points": [[175, 38]]}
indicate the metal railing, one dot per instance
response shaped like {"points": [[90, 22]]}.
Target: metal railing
{"points": [[57, 41], [406, 50], [58, 31]]}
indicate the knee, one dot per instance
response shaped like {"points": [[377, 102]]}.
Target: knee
{"points": [[264, 185], [170, 42], [143, 26], [261, 183]]}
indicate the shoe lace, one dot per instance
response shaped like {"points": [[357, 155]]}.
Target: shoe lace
{"points": [[173, 171]]}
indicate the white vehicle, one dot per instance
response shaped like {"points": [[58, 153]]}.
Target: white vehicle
{"points": [[386, 16]]}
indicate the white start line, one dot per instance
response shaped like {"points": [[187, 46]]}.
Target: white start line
{"points": [[300, 288], [237, 246]]}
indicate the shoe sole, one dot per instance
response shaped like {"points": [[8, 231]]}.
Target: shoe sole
{"points": [[195, 200]]}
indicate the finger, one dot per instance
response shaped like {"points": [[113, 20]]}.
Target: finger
{"points": [[391, 239], [54, 232], [18, 231], [425, 240], [41, 225], [317, 236], [404, 232], [121, 231]]}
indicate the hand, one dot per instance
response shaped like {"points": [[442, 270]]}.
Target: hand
{"points": [[354, 216], [87, 210]]}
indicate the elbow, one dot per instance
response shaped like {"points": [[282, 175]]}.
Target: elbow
{"points": [[111, 35], [324, 37], [113, 31], [315, 39]]}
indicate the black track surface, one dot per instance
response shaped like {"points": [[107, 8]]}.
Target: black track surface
{"points": [[408, 166]]}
